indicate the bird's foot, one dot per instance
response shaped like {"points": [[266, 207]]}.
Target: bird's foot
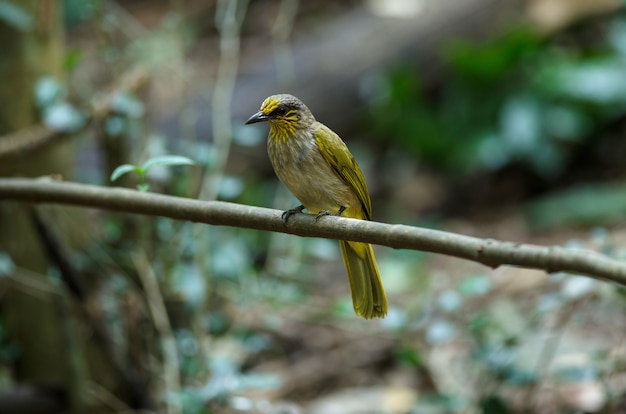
{"points": [[323, 213], [285, 216]]}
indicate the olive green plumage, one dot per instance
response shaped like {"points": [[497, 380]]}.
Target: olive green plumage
{"points": [[317, 167]]}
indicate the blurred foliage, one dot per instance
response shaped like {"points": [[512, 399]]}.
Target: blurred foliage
{"points": [[57, 113], [76, 11], [14, 16], [519, 98], [582, 205]]}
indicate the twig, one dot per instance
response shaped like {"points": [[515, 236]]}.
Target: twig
{"points": [[489, 252], [107, 397], [548, 351], [281, 32], [27, 139], [156, 304], [228, 18], [29, 282]]}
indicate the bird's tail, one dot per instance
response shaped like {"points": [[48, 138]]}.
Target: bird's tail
{"points": [[368, 295]]}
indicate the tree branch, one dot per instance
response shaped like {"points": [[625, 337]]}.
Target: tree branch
{"points": [[489, 252]]}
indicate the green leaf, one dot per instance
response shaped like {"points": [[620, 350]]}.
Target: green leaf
{"points": [[127, 104], [125, 169], [440, 331], [6, 264], [493, 404], [576, 374], [77, 11], [72, 59], [63, 117], [230, 187], [600, 81], [520, 125], [115, 126], [190, 284], [48, 92], [591, 204], [449, 301], [14, 16], [617, 36], [143, 187], [410, 356], [474, 285], [166, 160], [491, 61]]}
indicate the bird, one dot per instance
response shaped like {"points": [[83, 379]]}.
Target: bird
{"points": [[315, 164]]}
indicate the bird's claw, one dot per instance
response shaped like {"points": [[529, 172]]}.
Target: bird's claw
{"points": [[286, 214], [321, 214]]}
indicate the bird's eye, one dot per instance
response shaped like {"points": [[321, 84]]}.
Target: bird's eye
{"points": [[281, 111]]}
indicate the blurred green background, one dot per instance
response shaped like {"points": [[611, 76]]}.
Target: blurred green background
{"points": [[495, 120]]}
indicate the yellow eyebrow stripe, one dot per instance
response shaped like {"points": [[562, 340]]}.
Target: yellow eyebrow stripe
{"points": [[269, 105]]}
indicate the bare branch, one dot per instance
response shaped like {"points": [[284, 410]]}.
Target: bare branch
{"points": [[489, 252], [161, 320], [228, 18]]}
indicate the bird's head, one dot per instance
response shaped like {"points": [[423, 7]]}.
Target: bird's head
{"points": [[285, 114]]}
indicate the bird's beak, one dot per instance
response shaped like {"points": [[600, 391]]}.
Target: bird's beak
{"points": [[258, 117]]}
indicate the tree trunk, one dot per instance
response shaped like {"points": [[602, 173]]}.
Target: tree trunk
{"points": [[35, 317]]}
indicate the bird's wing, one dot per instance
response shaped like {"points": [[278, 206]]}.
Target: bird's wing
{"points": [[340, 159]]}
